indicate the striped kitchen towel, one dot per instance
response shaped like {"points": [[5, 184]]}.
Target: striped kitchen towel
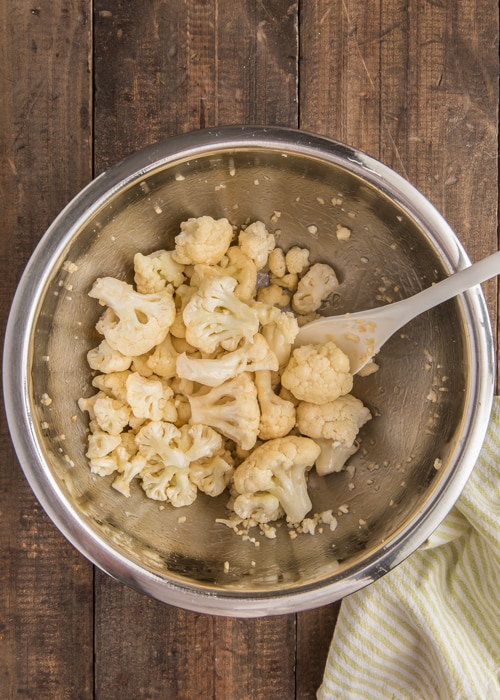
{"points": [[430, 629]]}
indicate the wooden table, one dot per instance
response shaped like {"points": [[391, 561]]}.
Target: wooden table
{"points": [[412, 82]]}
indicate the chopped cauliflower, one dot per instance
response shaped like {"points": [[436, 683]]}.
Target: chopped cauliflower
{"points": [[254, 355], [277, 416], [313, 288], [111, 415], [150, 398], [338, 420], [231, 408], [202, 240], [318, 373], [162, 361], [260, 507], [276, 262], [335, 426], [113, 384], [215, 317], [279, 467], [118, 460], [256, 242], [297, 259], [133, 323], [333, 456], [101, 444], [289, 281], [234, 264], [212, 474], [169, 452], [104, 359], [273, 295], [199, 388], [279, 328], [155, 271]]}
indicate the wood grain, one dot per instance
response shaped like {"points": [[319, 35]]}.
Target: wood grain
{"points": [[46, 606], [314, 635], [175, 67]]}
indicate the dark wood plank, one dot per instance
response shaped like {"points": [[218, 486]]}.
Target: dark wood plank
{"points": [[339, 71], [414, 84], [314, 634], [255, 658], [440, 111], [168, 68], [145, 649], [161, 70], [46, 611]]}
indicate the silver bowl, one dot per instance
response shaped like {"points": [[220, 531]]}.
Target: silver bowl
{"points": [[431, 397]]}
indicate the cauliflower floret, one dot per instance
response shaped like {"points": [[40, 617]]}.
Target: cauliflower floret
{"points": [[111, 415], [276, 262], [215, 318], [87, 403], [127, 462], [154, 271], [113, 384], [277, 415], [258, 507], [279, 467], [116, 460], [297, 259], [164, 441], [182, 296], [256, 242], [289, 281], [252, 356], [318, 373], [231, 408], [140, 365], [244, 270], [273, 295], [234, 264], [279, 328], [202, 240], [212, 474], [335, 426], [162, 360], [134, 323], [338, 420], [129, 470], [101, 444], [169, 452], [313, 288], [150, 398], [104, 359], [333, 456]]}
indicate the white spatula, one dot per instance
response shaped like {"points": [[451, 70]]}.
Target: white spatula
{"points": [[361, 335]]}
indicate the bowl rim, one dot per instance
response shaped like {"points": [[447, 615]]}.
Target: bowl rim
{"points": [[16, 372]]}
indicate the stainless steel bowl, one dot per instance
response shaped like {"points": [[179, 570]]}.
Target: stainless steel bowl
{"points": [[431, 397]]}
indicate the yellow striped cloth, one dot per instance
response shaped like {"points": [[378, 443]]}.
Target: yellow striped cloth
{"points": [[430, 629]]}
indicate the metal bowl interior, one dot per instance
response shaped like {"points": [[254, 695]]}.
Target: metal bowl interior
{"points": [[430, 399]]}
